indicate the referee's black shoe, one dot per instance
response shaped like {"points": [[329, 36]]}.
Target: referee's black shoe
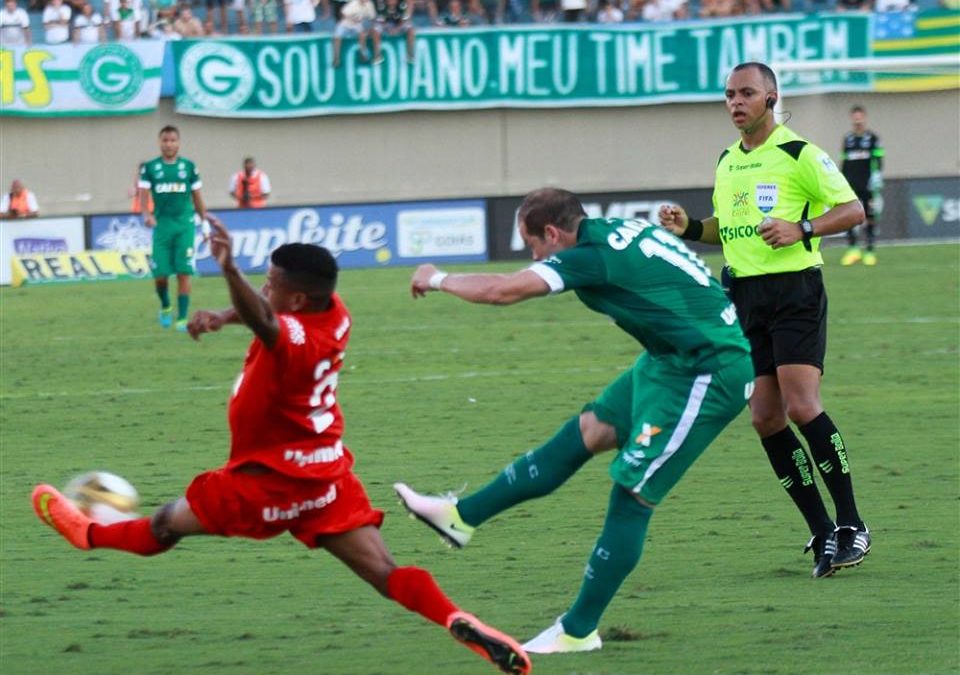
{"points": [[824, 547], [853, 545]]}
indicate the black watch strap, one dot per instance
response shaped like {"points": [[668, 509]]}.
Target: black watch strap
{"points": [[807, 227]]}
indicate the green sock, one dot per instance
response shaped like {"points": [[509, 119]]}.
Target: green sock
{"points": [[616, 554], [536, 474], [163, 292], [183, 306]]}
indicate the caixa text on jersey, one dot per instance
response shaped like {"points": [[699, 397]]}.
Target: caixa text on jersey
{"points": [[343, 232]]}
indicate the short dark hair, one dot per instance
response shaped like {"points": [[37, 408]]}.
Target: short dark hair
{"points": [[308, 268], [169, 129], [766, 71], [550, 206], [858, 109]]}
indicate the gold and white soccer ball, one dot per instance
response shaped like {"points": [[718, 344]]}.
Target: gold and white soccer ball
{"points": [[105, 497]]}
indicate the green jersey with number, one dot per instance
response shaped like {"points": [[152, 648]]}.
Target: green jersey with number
{"points": [[653, 287], [786, 178], [172, 185]]}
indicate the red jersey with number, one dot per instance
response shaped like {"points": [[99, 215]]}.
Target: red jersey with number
{"points": [[284, 412]]}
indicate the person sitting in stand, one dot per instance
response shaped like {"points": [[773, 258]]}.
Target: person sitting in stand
{"points": [[393, 18], [19, 202], [355, 20]]}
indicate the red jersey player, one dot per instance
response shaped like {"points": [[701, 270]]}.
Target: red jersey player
{"points": [[288, 469]]}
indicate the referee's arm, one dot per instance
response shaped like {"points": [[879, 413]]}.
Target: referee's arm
{"points": [[675, 219], [778, 233]]}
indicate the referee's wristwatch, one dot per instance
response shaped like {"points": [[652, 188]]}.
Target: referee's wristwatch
{"points": [[807, 228]]}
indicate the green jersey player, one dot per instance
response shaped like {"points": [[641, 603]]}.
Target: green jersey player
{"points": [[660, 415], [175, 185]]}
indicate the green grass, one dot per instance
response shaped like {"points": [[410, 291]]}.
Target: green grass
{"points": [[437, 392]]}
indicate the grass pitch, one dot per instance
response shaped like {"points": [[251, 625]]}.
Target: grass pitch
{"points": [[438, 393]]}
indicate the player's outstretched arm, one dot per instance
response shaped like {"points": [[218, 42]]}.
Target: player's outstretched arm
{"points": [[251, 307], [485, 289], [210, 321]]}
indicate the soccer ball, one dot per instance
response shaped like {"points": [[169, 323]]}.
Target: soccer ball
{"points": [[105, 497]]}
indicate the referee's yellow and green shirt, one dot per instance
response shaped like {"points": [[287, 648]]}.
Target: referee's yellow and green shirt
{"points": [[786, 177]]}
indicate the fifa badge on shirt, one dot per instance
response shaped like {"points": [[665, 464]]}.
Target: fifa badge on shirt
{"points": [[766, 196]]}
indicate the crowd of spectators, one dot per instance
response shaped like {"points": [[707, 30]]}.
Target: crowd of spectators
{"points": [[86, 21]]}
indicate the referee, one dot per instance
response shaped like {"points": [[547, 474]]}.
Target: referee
{"points": [[770, 201]]}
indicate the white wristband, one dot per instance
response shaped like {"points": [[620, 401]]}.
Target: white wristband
{"points": [[436, 279]]}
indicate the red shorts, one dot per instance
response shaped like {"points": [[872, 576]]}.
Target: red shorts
{"points": [[231, 503]]}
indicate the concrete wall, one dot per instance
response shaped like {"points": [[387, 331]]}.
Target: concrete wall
{"points": [[86, 165]]}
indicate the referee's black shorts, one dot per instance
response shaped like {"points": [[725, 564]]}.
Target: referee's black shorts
{"points": [[785, 318]]}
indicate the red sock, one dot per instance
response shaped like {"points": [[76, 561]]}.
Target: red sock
{"points": [[415, 589], [133, 536]]}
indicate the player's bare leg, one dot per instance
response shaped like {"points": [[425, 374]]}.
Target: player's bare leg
{"points": [[364, 551], [142, 536]]}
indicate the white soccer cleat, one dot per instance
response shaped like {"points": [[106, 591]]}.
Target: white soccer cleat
{"points": [[554, 640], [440, 513]]}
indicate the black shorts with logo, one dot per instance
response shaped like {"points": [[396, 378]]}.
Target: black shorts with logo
{"points": [[785, 318]]}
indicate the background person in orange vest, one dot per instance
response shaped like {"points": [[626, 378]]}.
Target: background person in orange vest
{"points": [[250, 186], [19, 202], [134, 194]]}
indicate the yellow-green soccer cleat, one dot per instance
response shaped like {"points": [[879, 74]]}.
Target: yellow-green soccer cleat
{"points": [[440, 513], [851, 257], [182, 326], [166, 317], [555, 640], [869, 258]]}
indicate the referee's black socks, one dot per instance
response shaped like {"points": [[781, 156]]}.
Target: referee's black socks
{"points": [[830, 454], [795, 473]]}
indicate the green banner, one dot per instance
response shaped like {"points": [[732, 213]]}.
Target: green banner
{"points": [[536, 67], [120, 78]]}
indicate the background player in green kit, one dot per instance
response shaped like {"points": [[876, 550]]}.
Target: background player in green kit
{"points": [[775, 195], [693, 379], [175, 185]]}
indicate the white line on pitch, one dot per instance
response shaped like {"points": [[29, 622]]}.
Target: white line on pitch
{"points": [[359, 380]]}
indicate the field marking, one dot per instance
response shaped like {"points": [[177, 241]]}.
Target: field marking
{"points": [[358, 379], [907, 321], [559, 324], [420, 327]]}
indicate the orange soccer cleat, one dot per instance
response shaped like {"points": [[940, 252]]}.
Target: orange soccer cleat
{"points": [[498, 648], [60, 513]]}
